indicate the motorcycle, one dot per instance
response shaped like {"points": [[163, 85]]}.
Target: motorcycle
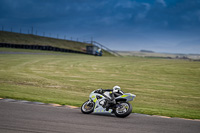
{"points": [[98, 103]]}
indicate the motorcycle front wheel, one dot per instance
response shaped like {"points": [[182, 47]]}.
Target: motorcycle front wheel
{"points": [[123, 109], [87, 107]]}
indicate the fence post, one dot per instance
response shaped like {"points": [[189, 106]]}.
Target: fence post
{"points": [[32, 30], [91, 40]]}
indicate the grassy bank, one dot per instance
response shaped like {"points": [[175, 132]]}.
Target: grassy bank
{"points": [[29, 39], [16, 38], [163, 87]]}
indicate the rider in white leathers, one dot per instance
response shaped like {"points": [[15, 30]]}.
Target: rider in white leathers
{"points": [[115, 92]]}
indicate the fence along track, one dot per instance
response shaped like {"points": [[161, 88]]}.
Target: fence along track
{"points": [[40, 47]]}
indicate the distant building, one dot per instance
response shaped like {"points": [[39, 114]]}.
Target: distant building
{"points": [[94, 50]]}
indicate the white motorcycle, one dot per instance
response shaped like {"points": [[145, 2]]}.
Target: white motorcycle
{"points": [[99, 102]]}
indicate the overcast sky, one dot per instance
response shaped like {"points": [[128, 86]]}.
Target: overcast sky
{"points": [[131, 25]]}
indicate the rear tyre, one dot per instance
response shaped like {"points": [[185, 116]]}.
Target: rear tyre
{"points": [[123, 110], [87, 107]]}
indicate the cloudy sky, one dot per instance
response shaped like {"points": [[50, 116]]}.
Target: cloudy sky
{"points": [[130, 25]]}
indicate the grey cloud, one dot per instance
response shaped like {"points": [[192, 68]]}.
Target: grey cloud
{"points": [[162, 2], [117, 19]]}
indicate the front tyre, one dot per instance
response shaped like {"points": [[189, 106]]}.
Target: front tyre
{"points": [[87, 107], [123, 109]]}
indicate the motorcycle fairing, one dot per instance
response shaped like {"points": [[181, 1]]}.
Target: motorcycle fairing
{"points": [[127, 96], [98, 108]]}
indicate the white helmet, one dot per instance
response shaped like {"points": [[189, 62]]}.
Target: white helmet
{"points": [[116, 88]]}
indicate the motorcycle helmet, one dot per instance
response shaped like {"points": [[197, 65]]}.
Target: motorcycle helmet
{"points": [[116, 88]]}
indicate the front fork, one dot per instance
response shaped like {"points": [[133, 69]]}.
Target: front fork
{"points": [[90, 103]]}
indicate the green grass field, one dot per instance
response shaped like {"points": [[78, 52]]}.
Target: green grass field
{"points": [[163, 87]]}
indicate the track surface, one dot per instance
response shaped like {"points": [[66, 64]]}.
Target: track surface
{"points": [[24, 118]]}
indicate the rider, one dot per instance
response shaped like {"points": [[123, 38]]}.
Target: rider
{"points": [[115, 92]]}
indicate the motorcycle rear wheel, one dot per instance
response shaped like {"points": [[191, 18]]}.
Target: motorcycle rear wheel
{"points": [[123, 110], [87, 107]]}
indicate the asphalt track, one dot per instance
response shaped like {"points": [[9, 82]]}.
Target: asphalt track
{"points": [[18, 117]]}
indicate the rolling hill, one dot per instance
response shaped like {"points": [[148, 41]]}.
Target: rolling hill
{"points": [[29, 39]]}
